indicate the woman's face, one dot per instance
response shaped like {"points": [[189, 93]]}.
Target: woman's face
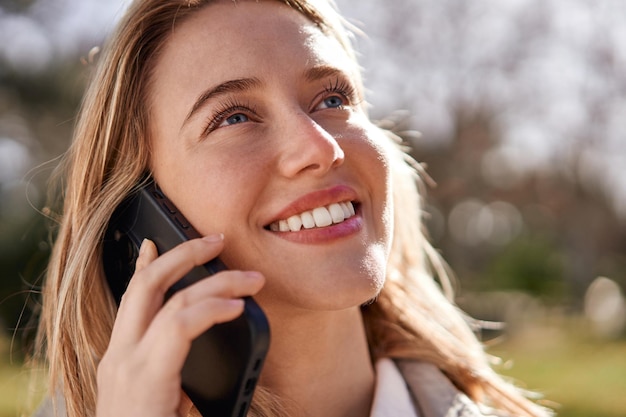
{"points": [[256, 128]]}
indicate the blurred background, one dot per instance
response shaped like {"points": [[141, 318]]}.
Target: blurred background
{"points": [[520, 107]]}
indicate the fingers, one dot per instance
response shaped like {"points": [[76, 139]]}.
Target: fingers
{"points": [[156, 275], [169, 339], [153, 276], [151, 340], [193, 310], [227, 284], [134, 323]]}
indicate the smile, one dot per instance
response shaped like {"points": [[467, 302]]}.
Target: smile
{"points": [[318, 217]]}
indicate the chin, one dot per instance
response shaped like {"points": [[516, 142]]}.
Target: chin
{"points": [[341, 282], [332, 294]]}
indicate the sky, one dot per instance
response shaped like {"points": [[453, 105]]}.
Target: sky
{"points": [[550, 71]]}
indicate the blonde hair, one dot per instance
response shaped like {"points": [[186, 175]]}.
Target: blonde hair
{"points": [[411, 318]]}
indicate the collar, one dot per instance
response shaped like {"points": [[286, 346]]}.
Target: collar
{"points": [[391, 396], [435, 395]]}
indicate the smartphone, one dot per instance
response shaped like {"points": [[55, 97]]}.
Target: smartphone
{"points": [[224, 363]]}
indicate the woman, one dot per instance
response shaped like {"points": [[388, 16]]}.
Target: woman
{"points": [[251, 118]]}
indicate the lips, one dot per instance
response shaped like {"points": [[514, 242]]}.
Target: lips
{"points": [[318, 217], [324, 209]]}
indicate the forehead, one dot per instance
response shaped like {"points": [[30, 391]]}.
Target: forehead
{"points": [[226, 40]]}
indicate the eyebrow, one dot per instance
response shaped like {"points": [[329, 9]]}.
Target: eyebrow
{"points": [[228, 87], [322, 71]]}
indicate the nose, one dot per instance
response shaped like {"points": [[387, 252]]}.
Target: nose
{"points": [[307, 147]]}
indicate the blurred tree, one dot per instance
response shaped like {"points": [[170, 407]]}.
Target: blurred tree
{"points": [[24, 256], [16, 6], [46, 101], [568, 235], [36, 115], [531, 264]]}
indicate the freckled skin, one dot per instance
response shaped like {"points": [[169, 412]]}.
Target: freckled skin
{"points": [[280, 140]]}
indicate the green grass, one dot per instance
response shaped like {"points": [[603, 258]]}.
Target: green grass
{"points": [[580, 376], [18, 395], [15, 398]]}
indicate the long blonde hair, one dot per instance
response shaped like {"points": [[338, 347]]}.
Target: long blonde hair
{"points": [[411, 318]]}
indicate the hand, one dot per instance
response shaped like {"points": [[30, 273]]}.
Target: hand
{"points": [[139, 374]]}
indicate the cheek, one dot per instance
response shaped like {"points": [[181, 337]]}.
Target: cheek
{"points": [[209, 186], [381, 151], [387, 210]]}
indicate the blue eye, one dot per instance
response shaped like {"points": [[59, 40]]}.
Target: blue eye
{"points": [[339, 94], [333, 102], [234, 119], [230, 113]]}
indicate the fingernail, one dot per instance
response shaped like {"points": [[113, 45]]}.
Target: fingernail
{"points": [[253, 274], [142, 247], [214, 238], [236, 303]]}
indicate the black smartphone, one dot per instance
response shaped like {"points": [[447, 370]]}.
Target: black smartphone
{"points": [[224, 363]]}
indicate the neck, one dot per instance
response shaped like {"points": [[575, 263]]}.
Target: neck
{"points": [[319, 361]]}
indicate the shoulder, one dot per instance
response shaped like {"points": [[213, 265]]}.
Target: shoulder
{"points": [[434, 393]]}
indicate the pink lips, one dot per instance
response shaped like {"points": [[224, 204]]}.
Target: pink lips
{"points": [[321, 198], [315, 199], [324, 234]]}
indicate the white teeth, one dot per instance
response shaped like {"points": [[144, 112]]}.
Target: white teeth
{"points": [[345, 209], [318, 217], [336, 212], [350, 208], [295, 223], [307, 220], [322, 217], [283, 226]]}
